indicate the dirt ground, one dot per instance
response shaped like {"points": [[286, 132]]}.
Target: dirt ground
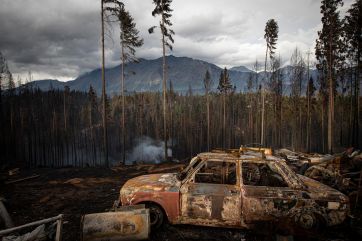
{"points": [[74, 192]]}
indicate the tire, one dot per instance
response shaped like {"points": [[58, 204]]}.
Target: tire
{"points": [[307, 221], [157, 216]]}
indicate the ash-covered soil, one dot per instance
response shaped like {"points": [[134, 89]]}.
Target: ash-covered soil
{"points": [[74, 192]]}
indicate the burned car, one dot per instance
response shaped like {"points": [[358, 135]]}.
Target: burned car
{"points": [[238, 189]]}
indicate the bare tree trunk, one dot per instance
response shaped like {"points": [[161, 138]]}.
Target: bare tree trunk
{"points": [[331, 104], [323, 129], [350, 134], [308, 106], [208, 120], [341, 121], [358, 77], [190, 133], [123, 109], [250, 120], [356, 112], [309, 123], [164, 91], [308, 114], [262, 141], [171, 132], [275, 121], [224, 122], [300, 125], [280, 120], [64, 111], [257, 117], [104, 95]]}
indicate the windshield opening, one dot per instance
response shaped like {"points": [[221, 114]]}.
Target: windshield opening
{"points": [[191, 167]]}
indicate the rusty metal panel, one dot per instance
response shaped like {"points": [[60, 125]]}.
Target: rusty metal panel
{"points": [[162, 189], [129, 224]]}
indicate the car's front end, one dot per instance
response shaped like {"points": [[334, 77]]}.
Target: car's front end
{"points": [[332, 205], [161, 190]]}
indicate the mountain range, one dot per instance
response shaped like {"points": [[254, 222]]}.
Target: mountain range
{"points": [[183, 72]]}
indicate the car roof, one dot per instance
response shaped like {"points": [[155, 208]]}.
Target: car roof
{"points": [[253, 157], [236, 156]]}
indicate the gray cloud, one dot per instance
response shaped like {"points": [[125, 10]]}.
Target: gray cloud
{"points": [[60, 38]]}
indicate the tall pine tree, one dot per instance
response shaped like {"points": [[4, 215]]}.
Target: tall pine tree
{"points": [[163, 9], [207, 85], [271, 37], [353, 34], [129, 40], [328, 48], [225, 87]]}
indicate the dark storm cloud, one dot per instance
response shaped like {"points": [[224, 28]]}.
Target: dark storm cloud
{"points": [[61, 38], [56, 37]]}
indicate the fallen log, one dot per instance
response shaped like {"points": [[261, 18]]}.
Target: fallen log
{"points": [[22, 179]]}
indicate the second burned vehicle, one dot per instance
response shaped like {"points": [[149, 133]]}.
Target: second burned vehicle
{"points": [[239, 189]]}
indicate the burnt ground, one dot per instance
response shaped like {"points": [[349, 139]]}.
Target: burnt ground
{"points": [[74, 192]]}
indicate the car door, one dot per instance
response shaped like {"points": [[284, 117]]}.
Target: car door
{"points": [[266, 194], [211, 196]]}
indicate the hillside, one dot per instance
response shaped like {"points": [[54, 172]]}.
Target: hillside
{"points": [[147, 76]]}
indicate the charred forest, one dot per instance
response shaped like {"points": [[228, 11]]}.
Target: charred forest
{"points": [[59, 128]]}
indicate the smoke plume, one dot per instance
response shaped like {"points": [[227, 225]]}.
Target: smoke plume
{"points": [[147, 150]]}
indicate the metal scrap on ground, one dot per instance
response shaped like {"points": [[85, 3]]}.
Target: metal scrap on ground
{"points": [[125, 223], [40, 233]]}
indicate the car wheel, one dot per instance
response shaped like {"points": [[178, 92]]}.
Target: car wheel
{"points": [[307, 220], [156, 216]]}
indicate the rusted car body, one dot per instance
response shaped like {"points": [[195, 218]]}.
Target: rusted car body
{"points": [[238, 189]]}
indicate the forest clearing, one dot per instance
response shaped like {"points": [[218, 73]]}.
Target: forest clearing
{"points": [[78, 191]]}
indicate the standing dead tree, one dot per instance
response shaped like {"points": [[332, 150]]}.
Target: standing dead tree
{"points": [[309, 94], [353, 35], [104, 117], [225, 87], [276, 93], [297, 62], [271, 37], [129, 40], [328, 48], [207, 85], [163, 8]]}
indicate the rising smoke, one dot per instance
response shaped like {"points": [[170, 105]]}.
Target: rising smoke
{"points": [[147, 150]]}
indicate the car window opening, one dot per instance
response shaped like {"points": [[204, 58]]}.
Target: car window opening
{"points": [[217, 172], [261, 174], [190, 168]]}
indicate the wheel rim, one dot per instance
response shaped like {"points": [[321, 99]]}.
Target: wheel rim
{"points": [[306, 220]]}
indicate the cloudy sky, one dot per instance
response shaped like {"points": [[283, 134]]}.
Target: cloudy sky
{"points": [[61, 38]]}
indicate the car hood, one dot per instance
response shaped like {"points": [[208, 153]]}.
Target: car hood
{"points": [[152, 183], [319, 191]]}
